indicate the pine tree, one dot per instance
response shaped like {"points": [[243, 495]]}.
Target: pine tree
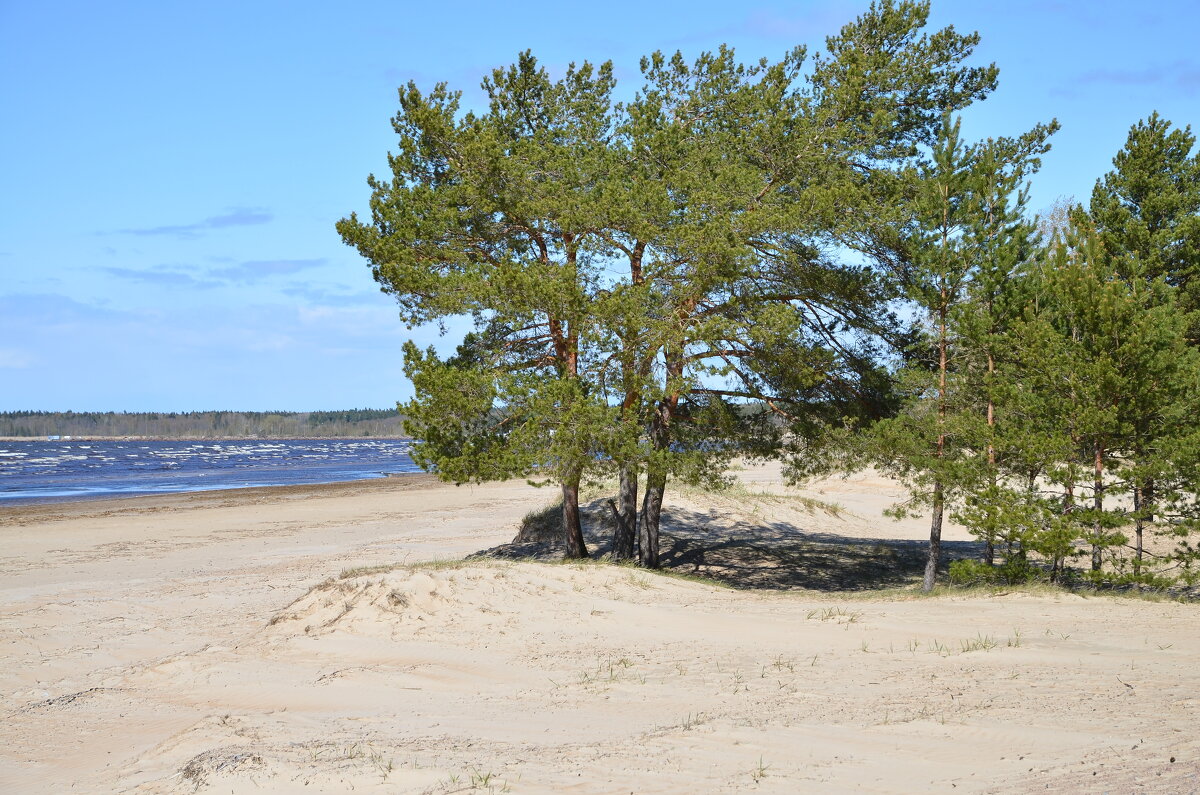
{"points": [[768, 174], [493, 216], [723, 188], [1147, 214], [1099, 359], [962, 242], [1147, 209], [1002, 241]]}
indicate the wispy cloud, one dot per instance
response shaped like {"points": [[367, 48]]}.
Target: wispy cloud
{"points": [[328, 297], [30, 309], [213, 353], [248, 272], [1183, 76], [256, 270], [238, 216], [12, 359], [162, 276]]}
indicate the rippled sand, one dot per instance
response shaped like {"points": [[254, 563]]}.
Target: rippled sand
{"points": [[266, 640]]}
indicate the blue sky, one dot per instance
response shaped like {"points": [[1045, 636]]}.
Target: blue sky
{"points": [[170, 173]]}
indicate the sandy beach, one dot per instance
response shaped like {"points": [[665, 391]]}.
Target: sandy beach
{"points": [[331, 639]]}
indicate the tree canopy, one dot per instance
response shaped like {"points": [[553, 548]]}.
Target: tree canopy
{"points": [[797, 257]]}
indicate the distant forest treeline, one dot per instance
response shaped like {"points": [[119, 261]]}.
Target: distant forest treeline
{"points": [[204, 424]]}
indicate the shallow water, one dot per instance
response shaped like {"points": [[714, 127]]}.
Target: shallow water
{"points": [[45, 471]]}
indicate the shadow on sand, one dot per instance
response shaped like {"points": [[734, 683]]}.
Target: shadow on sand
{"points": [[759, 555]]}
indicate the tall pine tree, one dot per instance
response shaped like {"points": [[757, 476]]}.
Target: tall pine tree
{"points": [[962, 243], [1147, 209], [494, 216]]}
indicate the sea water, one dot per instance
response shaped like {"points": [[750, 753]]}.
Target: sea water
{"points": [[45, 471]]}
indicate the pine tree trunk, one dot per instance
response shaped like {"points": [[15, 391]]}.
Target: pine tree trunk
{"points": [[1138, 521], [626, 514], [1146, 514], [572, 529], [935, 538], [1098, 507], [656, 473], [989, 549], [989, 552], [939, 494], [625, 540], [648, 528]]}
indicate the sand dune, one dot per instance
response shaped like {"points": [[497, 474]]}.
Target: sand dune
{"points": [[267, 642]]}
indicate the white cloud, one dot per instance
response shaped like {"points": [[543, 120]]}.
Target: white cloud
{"points": [[237, 216], [12, 359], [256, 270]]}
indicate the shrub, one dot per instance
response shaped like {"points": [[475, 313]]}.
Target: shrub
{"points": [[973, 572], [1014, 571]]}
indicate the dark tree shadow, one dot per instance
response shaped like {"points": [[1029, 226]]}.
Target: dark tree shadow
{"points": [[760, 555]]}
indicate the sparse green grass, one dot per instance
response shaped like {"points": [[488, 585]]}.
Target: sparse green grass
{"points": [[639, 581], [911, 592], [737, 490], [476, 780], [384, 767], [739, 683], [607, 672], [978, 643], [640, 577], [450, 564], [542, 524], [645, 579], [438, 564], [367, 571], [687, 577], [839, 614], [481, 780]]}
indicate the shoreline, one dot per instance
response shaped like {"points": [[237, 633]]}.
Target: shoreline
{"points": [[400, 481]]}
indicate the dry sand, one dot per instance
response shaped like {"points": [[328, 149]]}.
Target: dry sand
{"points": [[208, 643]]}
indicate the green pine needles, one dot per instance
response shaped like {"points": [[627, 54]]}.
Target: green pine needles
{"points": [[728, 263]]}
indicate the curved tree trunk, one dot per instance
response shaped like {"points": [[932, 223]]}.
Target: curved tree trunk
{"points": [[648, 528], [656, 472], [572, 529], [626, 514]]}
